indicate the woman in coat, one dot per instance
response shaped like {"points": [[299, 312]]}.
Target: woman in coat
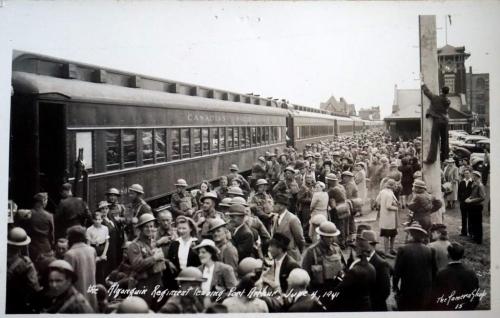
{"points": [[388, 221], [406, 180], [451, 176], [219, 276], [360, 180], [181, 252]]}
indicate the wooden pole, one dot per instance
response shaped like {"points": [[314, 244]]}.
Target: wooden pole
{"points": [[429, 68]]}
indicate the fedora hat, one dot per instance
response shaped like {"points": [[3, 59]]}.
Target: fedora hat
{"points": [[476, 173], [415, 226], [347, 173], [103, 204], [190, 274], [331, 176], [368, 235], [181, 183], [145, 218], [291, 169], [281, 199], [327, 229]]}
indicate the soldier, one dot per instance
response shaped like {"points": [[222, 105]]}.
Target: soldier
{"points": [[222, 189], [475, 208], [116, 210], [233, 174], [261, 203], [70, 211], [274, 171], [304, 198], [182, 202], [65, 298], [283, 186], [146, 260], [134, 210], [207, 214], [22, 278]]}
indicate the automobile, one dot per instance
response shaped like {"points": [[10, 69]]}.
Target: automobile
{"points": [[471, 143], [457, 132]]}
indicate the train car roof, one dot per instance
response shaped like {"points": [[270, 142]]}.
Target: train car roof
{"points": [[299, 113], [28, 83]]}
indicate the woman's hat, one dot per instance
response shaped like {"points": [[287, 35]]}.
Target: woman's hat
{"points": [[209, 245], [103, 204], [415, 226]]}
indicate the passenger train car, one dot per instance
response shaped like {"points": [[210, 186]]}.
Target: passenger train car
{"points": [[128, 128]]}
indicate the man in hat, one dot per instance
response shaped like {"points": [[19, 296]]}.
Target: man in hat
{"points": [[262, 203], [289, 225], [220, 233], [82, 258], [415, 269], [259, 169], [423, 204], [324, 262], [22, 277], [284, 186], [458, 279], [182, 202], [207, 213], [233, 174], [39, 227], [464, 191], [146, 259], [382, 288], [242, 237], [350, 187], [475, 204], [277, 275], [116, 209], [451, 176], [438, 111], [304, 198], [134, 210], [274, 171], [70, 211], [64, 297], [222, 189], [190, 280]]}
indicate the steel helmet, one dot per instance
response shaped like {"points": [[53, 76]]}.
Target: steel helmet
{"points": [[216, 223], [209, 195], [190, 274], [239, 200], [181, 183], [226, 202], [136, 188], [113, 191], [261, 182], [145, 218], [63, 265], [17, 236], [235, 191], [133, 305], [327, 229]]}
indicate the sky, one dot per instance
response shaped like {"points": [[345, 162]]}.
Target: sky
{"points": [[303, 52]]}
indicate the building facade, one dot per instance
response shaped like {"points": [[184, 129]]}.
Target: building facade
{"points": [[372, 113], [478, 97], [340, 107]]}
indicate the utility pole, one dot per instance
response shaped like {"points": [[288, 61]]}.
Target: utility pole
{"points": [[429, 67]]}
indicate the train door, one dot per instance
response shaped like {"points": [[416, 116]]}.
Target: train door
{"points": [[51, 149]]}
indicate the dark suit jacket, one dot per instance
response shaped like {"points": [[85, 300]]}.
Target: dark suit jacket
{"points": [[464, 191], [286, 267], [243, 240], [173, 256], [356, 288], [306, 303], [458, 278], [223, 276], [382, 287], [415, 267]]}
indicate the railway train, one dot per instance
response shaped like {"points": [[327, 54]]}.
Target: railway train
{"points": [[115, 128]]}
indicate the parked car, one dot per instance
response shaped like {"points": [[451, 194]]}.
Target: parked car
{"points": [[471, 143]]}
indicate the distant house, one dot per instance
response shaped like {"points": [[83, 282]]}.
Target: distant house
{"points": [[405, 120], [340, 107], [372, 113]]}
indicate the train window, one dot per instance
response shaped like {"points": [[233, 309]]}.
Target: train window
{"points": [[215, 139], [113, 153], [222, 139], [265, 135], [175, 139], [129, 148], [254, 136], [236, 139], [204, 140], [147, 146], [230, 145], [160, 145], [84, 142], [197, 141], [271, 135], [244, 137], [249, 137], [185, 145]]}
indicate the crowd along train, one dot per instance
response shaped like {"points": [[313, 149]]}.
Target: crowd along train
{"points": [[116, 128]]}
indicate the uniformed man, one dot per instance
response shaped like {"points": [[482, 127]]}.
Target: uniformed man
{"points": [[304, 198], [274, 171], [233, 174], [135, 209], [207, 214], [283, 186], [64, 297], [70, 211], [115, 208], [475, 206], [261, 203], [22, 278], [182, 202], [222, 189], [146, 259]]}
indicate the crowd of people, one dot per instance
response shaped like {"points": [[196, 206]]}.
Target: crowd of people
{"points": [[287, 238]]}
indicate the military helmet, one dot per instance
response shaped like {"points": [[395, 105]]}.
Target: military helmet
{"points": [[17, 236], [136, 188]]}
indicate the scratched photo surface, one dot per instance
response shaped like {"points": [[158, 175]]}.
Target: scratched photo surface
{"points": [[260, 157]]}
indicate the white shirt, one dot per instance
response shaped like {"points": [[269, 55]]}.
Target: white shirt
{"points": [[467, 181], [184, 247], [277, 268], [97, 235], [208, 273], [281, 216]]}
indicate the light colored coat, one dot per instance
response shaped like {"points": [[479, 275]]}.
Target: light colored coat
{"points": [[451, 175], [388, 209], [319, 203], [360, 179], [83, 259], [291, 227]]}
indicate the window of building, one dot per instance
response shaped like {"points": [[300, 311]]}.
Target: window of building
{"points": [[160, 149], [449, 80], [147, 146], [176, 143], [129, 148], [185, 143]]}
